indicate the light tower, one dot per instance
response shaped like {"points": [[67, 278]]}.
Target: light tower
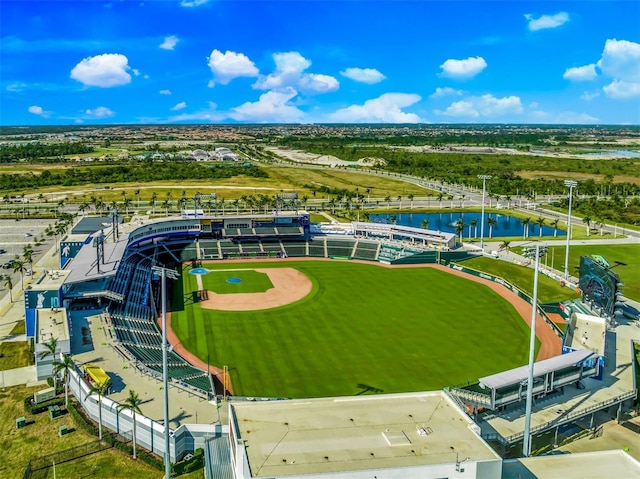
{"points": [[172, 274], [484, 179], [531, 252], [571, 184]]}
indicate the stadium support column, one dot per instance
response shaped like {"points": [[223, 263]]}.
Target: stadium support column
{"points": [[571, 184], [531, 252], [164, 272], [484, 179]]}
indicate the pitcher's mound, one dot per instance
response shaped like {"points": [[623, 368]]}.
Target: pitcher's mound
{"points": [[289, 286]]}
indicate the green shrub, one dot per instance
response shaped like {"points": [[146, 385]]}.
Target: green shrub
{"points": [[193, 464], [43, 406], [81, 420]]}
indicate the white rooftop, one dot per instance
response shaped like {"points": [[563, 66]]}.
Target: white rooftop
{"points": [[319, 436]]}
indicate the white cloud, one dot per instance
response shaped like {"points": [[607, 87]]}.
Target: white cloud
{"points": [[169, 42], [363, 75], [106, 70], [318, 83], [38, 110], [622, 90], [208, 114], [446, 91], [486, 106], [572, 118], [229, 65], [546, 21], [193, 3], [289, 73], [621, 60], [272, 107], [462, 69], [100, 112], [387, 108], [179, 106], [589, 95], [16, 86], [165, 92], [583, 73]]}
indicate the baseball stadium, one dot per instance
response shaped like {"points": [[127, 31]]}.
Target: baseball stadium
{"points": [[280, 320]]}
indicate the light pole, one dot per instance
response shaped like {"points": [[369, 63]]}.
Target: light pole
{"points": [[484, 179], [172, 274], [531, 252], [571, 184]]}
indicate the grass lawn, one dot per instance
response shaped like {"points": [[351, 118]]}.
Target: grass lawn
{"points": [[548, 290], [19, 328], [363, 328], [624, 259], [40, 437], [223, 282], [14, 354]]}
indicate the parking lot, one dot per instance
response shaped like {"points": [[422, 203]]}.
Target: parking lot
{"points": [[14, 236]]}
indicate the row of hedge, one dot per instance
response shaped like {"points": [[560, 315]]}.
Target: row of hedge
{"points": [[43, 406], [87, 424]]}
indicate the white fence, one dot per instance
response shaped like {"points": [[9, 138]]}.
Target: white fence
{"points": [[149, 433]]}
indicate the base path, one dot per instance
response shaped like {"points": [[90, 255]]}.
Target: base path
{"points": [[289, 285]]}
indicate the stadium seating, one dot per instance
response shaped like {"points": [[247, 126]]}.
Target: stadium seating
{"points": [[367, 250], [341, 248], [317, 248], [296, 248]]}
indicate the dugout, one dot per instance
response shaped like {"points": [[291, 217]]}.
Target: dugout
{"points": [[549, 375]]}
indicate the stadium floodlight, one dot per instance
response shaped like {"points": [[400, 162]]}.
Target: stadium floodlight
{"points": [[533, 252], [172, 274], [571, 184], [484, 179]]}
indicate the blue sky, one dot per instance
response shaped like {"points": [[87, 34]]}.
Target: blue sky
{"points": [[241, 61]]}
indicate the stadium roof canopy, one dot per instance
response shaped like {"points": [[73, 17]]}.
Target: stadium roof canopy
{"points": [[517, 375]]}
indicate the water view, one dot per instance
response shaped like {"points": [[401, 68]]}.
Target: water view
{"points": [[504, 225]]}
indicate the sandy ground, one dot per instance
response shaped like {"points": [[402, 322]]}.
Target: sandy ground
{"points": [[289, 285], [292, 284]]}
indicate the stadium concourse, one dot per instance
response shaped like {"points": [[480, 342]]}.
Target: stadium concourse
{"points": [[111, 300]]}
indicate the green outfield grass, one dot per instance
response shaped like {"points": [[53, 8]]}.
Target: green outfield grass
{"points": [[362, 329], [217, 281], [549, 290]]}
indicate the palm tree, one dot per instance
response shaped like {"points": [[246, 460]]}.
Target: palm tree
{"points": [[9, 284], [587, 221], [132, 403], [18, 265], [474, 223], [400, 202], [165, 205], [64, 366], [100, 390], [137, 193], [525, 227], [462, 203], [505, 246], [425, 224], [460, 228], [540, 222], [154, 197], [27, 255], [491, 221], [554, 223], [388, 200], [440, 197], [411, 199], [50, 350]]}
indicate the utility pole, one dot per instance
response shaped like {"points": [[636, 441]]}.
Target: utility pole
{"points": [[484, 179], [531, 252], [571, 184], [172, 274]]}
